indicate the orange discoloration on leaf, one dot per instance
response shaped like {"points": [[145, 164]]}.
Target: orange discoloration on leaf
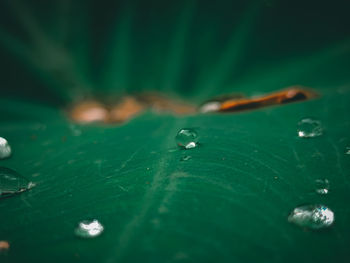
{"points": [[4, 245], [126, 108], [89, 111], [292, 94], [129, 107], [161, 103]]}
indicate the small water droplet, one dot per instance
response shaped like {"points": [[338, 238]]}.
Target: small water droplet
{"points": [[89, 229], [75, 130], [322, 186], [187, 139], [309, 128], [5, 148], [12, 182], [186, 158], [312, 216], [347, 150]]}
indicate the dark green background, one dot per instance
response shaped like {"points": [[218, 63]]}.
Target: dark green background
{"points": [[230, 202]]}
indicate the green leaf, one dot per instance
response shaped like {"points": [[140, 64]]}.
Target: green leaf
{"points": [[233, 196], [227, 200]]}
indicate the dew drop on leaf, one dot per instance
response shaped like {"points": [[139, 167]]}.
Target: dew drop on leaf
{"points": [[89, 229], [186, 158], [322, 186], [312, 216], [187, 139], [12, 182], [347, 150], [309, 128], [5, 148]]}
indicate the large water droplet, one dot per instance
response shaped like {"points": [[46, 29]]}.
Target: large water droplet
{"points": [[309, 128], [5, 148], [322, 186], [12, 182], [312, 216], [187, 139], [89, 229]]}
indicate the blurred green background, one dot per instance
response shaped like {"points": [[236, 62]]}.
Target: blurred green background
{"points": [[230, 201], [54, 50]]}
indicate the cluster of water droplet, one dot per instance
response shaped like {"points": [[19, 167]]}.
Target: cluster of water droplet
{"points": [[312, 216], [12, 183], [308, 216]]}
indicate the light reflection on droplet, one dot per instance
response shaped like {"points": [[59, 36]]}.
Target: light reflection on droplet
{"points": [[187, 138], [347, 150], [312, 216], [12, 182], [322, 186], [309, 128], [186, 158], [89, 229], [5, 148]]}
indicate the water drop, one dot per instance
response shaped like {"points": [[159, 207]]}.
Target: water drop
{"points": [[347, 150], [312, 216], [75, 130], [322, 186], [5, 148], [309, 128], [186, 158], [187, 139], [89, 229], [12, 182]]}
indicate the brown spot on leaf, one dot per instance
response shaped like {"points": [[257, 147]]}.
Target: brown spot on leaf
{"points": [[129, 107], [4, 245], [160, 103], [89, 111]]}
